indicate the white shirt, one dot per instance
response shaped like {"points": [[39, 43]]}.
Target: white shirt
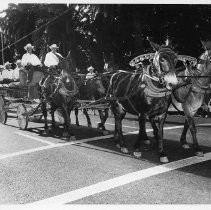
{"points": [[51, 59], [30, 58], [15, 74], [7, 74], [90, 75]]}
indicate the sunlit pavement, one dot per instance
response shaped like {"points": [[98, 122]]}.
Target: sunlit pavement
{"points": [[36, 168]]}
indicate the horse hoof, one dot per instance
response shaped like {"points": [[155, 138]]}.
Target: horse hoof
{"points": [[46, 132], [98, 126], [147, 142], [89, 125], [185, 146], [137, 154], [164, 160], [72, 138], [118, 146], [105, 132], [124, 150], [199, 154], [65, 134]]}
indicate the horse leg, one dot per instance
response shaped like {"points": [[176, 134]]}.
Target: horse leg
{"points": [[162, 153], [67, 130], [197, 150], [119, 115], [183, 140], [76, 116], [158, 133], [142, 136], [89, 124], [53, 109], [154, 127], [44, 110], [103, 118]]}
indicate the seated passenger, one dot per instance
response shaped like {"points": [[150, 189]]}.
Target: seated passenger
{"points": [[30, 59], [52, 61], [16, 71], [91, 73], [7, 72], [1, 69]]}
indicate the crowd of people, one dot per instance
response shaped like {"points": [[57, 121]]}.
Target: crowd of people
{"points": [[21, 72]]}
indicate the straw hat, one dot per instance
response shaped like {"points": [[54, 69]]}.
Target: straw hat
{"points": [[53, 46], [90, 68], [29, 46], [18, 61]]}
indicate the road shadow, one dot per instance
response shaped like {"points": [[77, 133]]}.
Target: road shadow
{"points": [[149, 153]]}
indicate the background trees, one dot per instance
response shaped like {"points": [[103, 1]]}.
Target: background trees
{"points": [[91, 31]]}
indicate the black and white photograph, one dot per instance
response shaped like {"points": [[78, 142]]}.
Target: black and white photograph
{"points": [[105, 103]]}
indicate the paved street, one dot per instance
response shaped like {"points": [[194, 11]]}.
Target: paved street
{"points": [[40, 169]]}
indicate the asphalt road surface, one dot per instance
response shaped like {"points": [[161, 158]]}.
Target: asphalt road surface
{"points": [[37, 169]]}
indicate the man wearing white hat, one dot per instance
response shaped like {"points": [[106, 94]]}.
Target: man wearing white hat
{"points": [[29, 58], [52, 62], [7, 72], [1, 69], [91, 73], [16, 71], [52, 58]]}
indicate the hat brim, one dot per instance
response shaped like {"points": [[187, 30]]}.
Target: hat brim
{"points": [[7, 64], [32, 47], [53, 47]]}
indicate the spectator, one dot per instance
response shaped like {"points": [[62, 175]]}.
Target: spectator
{"points": [[1, 69], [91, 73], [16, 71], [7, 72]]}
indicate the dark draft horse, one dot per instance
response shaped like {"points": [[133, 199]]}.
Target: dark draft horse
{"points": [[128, 89], [190, 98], [93, 89], [59, 93]]}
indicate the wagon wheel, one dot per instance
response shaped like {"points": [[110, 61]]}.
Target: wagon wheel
{"points": [[22, 117], [3, 113]]}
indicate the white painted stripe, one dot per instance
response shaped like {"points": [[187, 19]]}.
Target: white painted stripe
{"points": [[121, 180], [204, 124], [149, 130], [52, 145], [124, 126], [34, 138], [28, 151]]}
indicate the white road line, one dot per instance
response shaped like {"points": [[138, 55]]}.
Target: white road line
{"points": [[121, 180], [57, 145], [149, 130], [28, 151], [124, 126], [34, 138]]}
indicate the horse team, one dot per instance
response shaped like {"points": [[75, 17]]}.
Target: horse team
{"points": [[135, 93]]}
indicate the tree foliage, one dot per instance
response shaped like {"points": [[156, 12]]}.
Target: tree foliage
{"points": [[93, 32]]}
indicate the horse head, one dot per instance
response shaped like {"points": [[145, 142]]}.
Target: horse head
{"points": [[96, 85], [66, 69], [164, 61], [205, 58]]}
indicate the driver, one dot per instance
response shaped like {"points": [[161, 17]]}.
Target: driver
{"points": [[91, 73], [30, 59], [52, 59]]}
